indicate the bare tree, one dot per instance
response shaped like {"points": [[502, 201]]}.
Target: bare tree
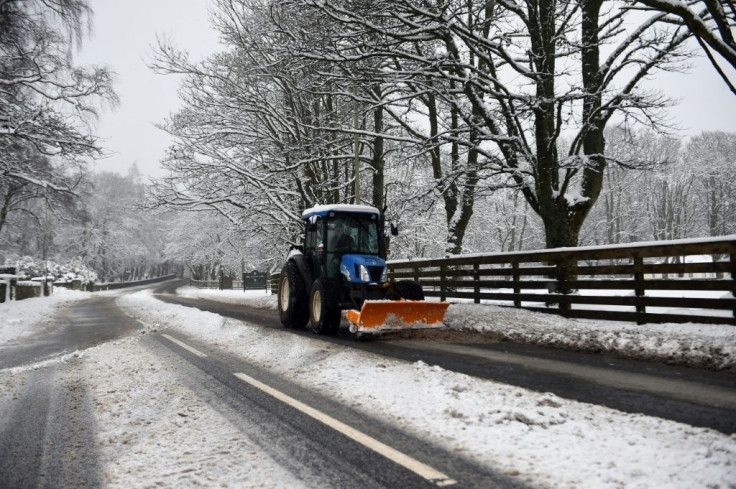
{"points": [[46, 102], [713, 155], [44, 184], [521, 74], [712, 23], [118, 238], [263, 135]]}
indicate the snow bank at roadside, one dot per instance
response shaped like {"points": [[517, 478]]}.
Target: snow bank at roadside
{"points": [[257, 299], [538, 438], [19, 319], [697, 345]]}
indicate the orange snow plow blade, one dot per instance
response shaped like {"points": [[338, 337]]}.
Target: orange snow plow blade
{"points": [[376, 316]]}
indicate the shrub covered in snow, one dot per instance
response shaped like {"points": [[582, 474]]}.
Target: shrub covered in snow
{"points": [[29, 267]]}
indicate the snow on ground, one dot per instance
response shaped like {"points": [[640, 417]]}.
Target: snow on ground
{"points": [[20, 319], [152, 430], [540, 438], [252, 298], [699, 345]]}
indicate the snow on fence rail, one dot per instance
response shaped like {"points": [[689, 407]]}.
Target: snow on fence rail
{"points": [[675, 281]]}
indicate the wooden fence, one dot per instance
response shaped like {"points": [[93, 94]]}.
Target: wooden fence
{"points": [[674, 281]]}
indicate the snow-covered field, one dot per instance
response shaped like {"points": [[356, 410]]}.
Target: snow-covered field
{"points": [[153, 430]]}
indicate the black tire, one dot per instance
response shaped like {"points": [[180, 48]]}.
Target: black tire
{"points": [[292, 298], [324, 307], [409, 290]]}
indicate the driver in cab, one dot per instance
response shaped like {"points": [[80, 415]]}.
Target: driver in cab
{"points": [[341, 241]]}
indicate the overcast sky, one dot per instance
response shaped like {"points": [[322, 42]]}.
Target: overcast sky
{"points": [[123, 37], [125, 33]]}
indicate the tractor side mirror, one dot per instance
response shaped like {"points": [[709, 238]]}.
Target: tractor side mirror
{"points": [[394, 229]]}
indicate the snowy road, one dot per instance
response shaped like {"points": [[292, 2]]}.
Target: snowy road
{"points": [[198, 399], [88, 323], [48, 430], [693, 396], [325, 443], [47, 436]]}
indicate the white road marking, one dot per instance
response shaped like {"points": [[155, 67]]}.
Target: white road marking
{"points": [[185, 346], [402, 459]]}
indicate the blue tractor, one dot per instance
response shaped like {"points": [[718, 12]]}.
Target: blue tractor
{"points": [[341, 265]]}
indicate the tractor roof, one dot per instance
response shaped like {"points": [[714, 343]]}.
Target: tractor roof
{"points": [[323, 210]]}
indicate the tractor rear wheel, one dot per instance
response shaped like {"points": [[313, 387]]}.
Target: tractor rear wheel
{"points": [[292, 298], [409, 290], [324, 307]]}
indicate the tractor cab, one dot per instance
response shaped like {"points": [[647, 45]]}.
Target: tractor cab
{"points": [[345, 241]]}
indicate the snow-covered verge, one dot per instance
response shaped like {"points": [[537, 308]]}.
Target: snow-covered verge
{"points": [[692, 344], [539, 438], [252, 298], [20, 319], [697, 345]]}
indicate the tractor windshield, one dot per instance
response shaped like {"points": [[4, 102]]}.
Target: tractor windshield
{"points": [[353, 233]]}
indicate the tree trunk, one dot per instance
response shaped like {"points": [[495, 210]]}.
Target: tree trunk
{"points": [[378, 161], [561, 229], [563, 217], [459, 200]]}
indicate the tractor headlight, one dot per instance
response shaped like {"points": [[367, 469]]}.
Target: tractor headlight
{"points": [[345, 272], [384, 275], [364, 275]]}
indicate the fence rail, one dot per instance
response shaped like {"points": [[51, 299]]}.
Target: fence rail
{"points": [[675, 281]]}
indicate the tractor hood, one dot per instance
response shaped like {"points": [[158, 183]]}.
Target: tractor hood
{"points": [[363, 269]]}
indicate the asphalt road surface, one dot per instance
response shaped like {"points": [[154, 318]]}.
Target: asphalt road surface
{"points": [[322, 442], [688, 395], [47, 433], [88, 323]]}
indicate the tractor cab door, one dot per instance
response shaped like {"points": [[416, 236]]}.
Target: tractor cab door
{"points": [[314, 248]]}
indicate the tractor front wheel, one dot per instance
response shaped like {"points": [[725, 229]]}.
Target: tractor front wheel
{"points": [[324, 307], [292, 299]]}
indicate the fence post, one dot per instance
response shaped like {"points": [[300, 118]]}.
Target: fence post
{"points": [[732, 257], [517, 286], [476, 279], [563, 276], [639, 287], [443, 278]]}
